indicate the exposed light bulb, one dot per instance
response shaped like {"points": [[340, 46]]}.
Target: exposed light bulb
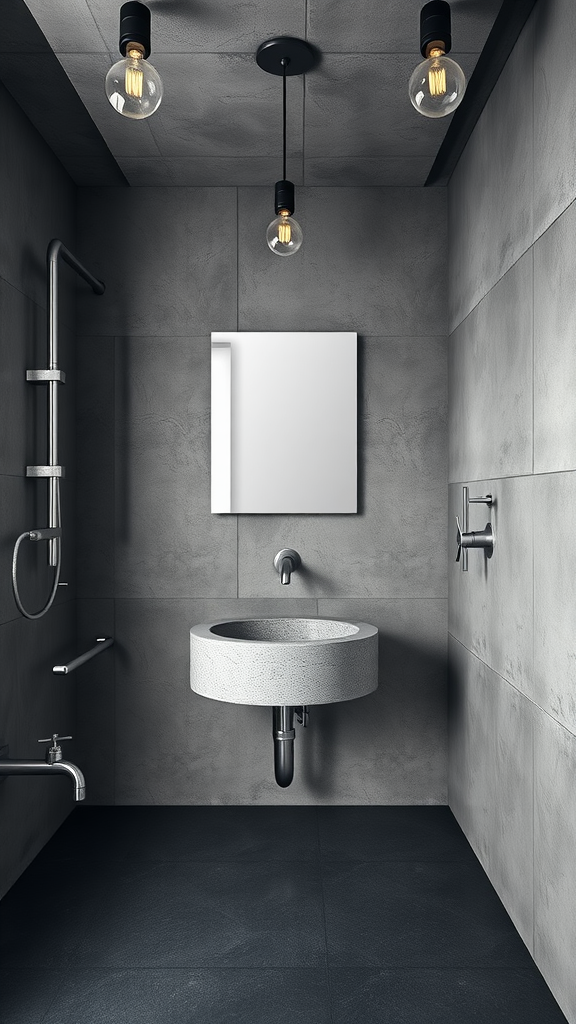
{"points": [[133, 85], [437, 86], [284, 234]]}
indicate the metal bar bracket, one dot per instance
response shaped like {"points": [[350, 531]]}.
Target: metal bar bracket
{"points": [[45, 471], [45, 376]]}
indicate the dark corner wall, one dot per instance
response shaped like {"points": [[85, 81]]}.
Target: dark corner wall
{"points": [[512, 723], [179, 263], [36, 204]]}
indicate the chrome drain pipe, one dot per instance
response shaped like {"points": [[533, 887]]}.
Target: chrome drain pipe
{"points": [[283, 732]]}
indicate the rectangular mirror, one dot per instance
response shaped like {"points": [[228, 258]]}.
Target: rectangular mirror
{"points": [[284, 421]]}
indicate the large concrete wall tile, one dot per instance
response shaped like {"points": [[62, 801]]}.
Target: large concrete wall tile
{"points": [[554, 350], [95, 468], [555, 596], [167, 257], [554, 842], [491, 605], [490, 193], [554, 85], [36, 204], [372, 261], [168, 544], [490, 382], [393, 742], [490, 777]]}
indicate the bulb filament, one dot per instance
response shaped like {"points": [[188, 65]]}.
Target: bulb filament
{"points": [[436, 73], [437, 79], [134, 78], [284, 232]]}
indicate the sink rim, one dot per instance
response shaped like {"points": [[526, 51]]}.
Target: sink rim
{"points": [[203, 631]]}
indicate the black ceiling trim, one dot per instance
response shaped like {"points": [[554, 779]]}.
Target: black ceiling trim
{"points": [[508, 25], [44, 92]]}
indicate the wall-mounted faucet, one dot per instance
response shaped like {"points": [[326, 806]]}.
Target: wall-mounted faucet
{"points": [[476, 539], [286, 562], [52, 764]]}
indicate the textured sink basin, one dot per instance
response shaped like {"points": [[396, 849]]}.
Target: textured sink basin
{"points": [[283, 661]]}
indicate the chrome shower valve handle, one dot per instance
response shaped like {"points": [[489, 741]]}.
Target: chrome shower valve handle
{"points": [[465, 538]]}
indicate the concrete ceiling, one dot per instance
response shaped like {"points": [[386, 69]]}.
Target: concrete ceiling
{"points": [[350, 121]]}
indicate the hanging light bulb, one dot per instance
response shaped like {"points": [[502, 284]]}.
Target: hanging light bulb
{"points": [[284, 56], [133, 86], [284, 234], [438, 84]]}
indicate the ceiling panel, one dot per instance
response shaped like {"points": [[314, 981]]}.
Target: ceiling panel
{"points": [[349, 121], [392, 26]]}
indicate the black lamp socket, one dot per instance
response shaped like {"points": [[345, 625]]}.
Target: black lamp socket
{"points": [[284, 196], [435, 26], [134, 26]]}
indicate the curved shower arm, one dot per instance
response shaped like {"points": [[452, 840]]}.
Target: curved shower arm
{"points": [[57, 248]]}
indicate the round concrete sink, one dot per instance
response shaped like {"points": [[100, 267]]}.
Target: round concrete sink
{"points": [[283, 661]]}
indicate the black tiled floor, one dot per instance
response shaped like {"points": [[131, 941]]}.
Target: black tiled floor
{"points": [[291, 915]]}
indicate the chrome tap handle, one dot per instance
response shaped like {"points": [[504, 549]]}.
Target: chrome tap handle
{"points": [[458, 539], [54, 753]]}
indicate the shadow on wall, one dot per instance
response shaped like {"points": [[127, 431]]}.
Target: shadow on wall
{"points": [[390, 737]]}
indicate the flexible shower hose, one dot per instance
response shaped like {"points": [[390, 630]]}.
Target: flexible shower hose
{"points": [[54, 591]]}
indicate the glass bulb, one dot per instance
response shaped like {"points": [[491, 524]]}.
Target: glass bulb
{"points": [[437, 85], [134, 87], [284, 235]]}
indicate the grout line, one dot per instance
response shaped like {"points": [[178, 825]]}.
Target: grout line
{"points": [[533, 367], [511, 267], [520, 692], [237, 259], [512, 476]]}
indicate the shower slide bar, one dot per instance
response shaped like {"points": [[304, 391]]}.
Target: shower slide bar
{"points": [[53, 376], [102, 642]]}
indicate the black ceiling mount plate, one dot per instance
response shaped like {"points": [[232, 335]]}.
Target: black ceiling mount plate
{"points": [[301, 56]]}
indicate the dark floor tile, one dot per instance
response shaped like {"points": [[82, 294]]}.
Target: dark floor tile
{"points": [[26, 995], [192, 997], [405, 914], [187, 834], [391, 833], [442, 997], [166, 915]]}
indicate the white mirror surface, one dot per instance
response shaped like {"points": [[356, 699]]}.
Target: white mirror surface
{"points": [[284, 422]]}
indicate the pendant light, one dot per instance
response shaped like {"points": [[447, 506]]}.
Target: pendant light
{"points": [[438, 84], [133, 86], [284, 56]]}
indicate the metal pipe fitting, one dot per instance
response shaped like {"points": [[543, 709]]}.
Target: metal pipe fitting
{"points": [[283, 732]]}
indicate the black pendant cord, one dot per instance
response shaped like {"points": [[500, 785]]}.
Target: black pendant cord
{"points": [[284, 63]]}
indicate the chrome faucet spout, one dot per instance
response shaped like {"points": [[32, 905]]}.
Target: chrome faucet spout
{"points": [[286, 568], [12, 767], [286, 562]]}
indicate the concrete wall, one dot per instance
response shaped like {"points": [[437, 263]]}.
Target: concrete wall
{"points": [[36, 204], [178, 263], [512, 620]]}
